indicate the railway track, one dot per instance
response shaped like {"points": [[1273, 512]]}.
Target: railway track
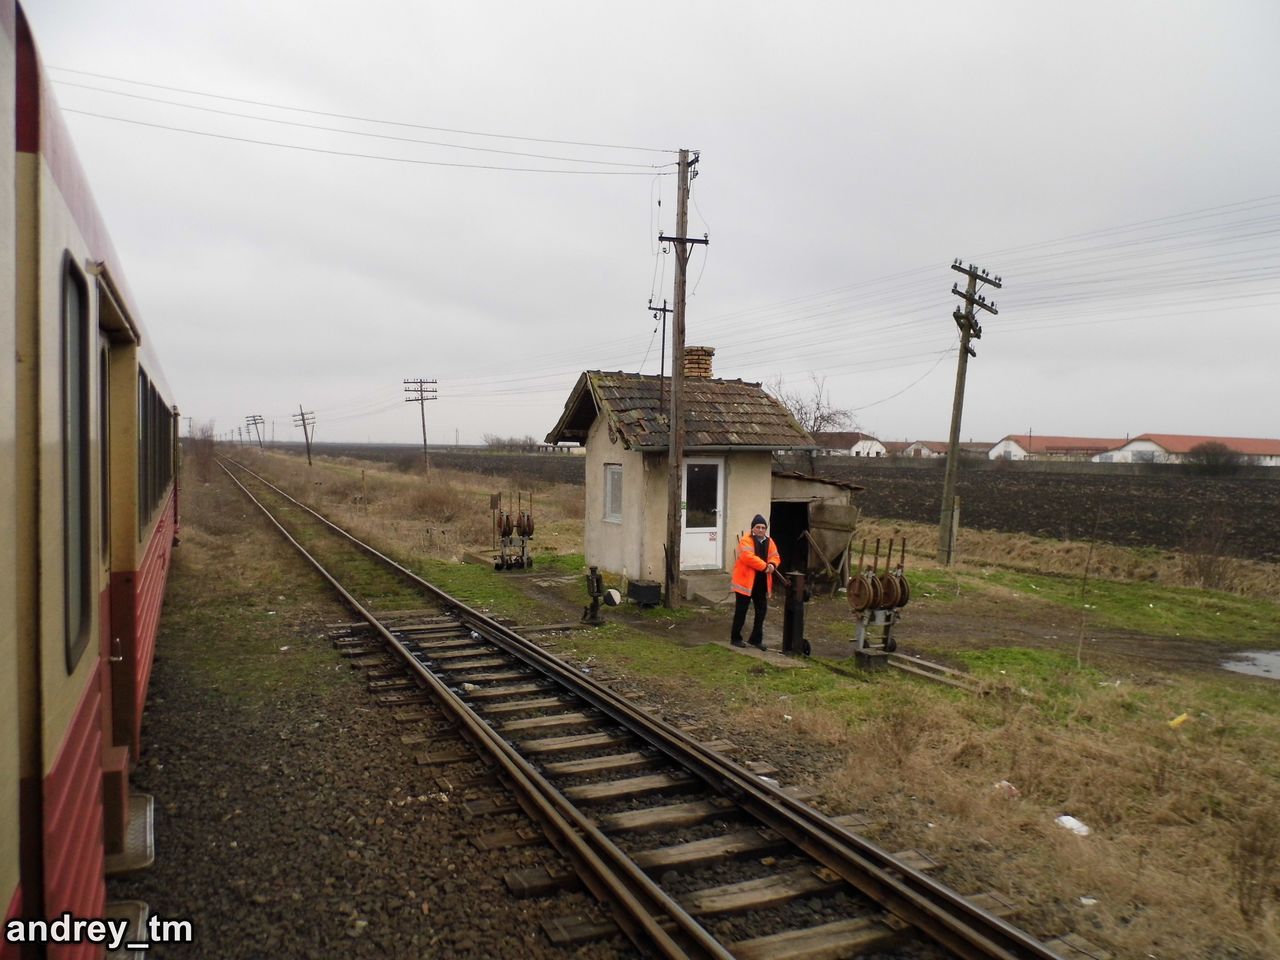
{"points": [[692, 854]]}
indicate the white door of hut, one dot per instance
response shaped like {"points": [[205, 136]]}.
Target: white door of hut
{"points": [[702, 526]]}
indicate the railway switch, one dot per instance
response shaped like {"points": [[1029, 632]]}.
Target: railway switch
{"points": [[798, 594], [595, 590]]}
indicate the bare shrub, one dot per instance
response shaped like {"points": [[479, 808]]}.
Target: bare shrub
{"points": [[1215, 458], [443, 503], [1205, 562], [201, 443], [1255, 859]]}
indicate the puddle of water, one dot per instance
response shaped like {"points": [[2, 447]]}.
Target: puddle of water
{"points": [[1258, 663]]}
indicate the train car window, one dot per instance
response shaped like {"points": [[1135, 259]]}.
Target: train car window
{"points": [[155, 450], [104, 445], [166, 445], [144, 468], [75, 462]]}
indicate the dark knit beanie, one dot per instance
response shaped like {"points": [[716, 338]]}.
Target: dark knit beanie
{"points": [[759, 519]]}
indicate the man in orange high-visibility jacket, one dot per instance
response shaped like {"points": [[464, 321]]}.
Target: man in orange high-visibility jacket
{"points": [[757, 554]]}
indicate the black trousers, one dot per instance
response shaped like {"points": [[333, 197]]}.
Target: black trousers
{"points": [[760, 599]]}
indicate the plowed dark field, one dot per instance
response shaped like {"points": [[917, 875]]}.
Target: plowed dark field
{"points": [[1136, 511]]}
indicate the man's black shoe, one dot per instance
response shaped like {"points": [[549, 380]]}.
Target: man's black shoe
{"points": [[736, 643], [758, 644]]}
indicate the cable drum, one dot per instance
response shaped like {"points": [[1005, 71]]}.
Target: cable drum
{"points": [[863, 592]]}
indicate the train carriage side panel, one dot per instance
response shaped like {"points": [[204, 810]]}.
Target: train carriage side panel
{"points": [[60, 582], [78, 377], [10, 887]]}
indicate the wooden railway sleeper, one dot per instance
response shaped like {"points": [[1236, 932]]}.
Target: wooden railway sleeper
{"points": [[967, 930], [637, 902]]}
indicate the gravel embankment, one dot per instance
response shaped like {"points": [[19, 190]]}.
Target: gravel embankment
{"points": [[291, 822]]}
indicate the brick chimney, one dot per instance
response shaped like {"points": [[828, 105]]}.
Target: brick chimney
{"points": [[697, 361]]}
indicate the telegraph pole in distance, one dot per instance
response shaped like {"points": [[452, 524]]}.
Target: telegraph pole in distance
{"points": [[661, 313], [255, 420], [419, 391], [306, 420], [970, 329], [675, 421]]}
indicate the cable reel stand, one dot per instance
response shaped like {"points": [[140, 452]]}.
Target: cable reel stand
{"points": [[877, 599], [514, 534]]}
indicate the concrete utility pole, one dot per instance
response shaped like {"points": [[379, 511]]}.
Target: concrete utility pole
{"points": [[969, 329], [675, 421], [419, 391], [306, 420]]}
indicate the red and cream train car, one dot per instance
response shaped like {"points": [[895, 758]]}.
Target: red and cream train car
{"points": [[88, 520]]}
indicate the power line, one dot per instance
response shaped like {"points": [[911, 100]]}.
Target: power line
{"points": [[344, 116], [367, 156], [356, 133]]}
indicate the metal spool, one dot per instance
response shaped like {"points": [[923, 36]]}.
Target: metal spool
{"points": [[890, 591], [864, 592], [904, 590]]}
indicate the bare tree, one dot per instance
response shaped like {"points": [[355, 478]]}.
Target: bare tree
{"points": [[525, 444], [813, 408]]}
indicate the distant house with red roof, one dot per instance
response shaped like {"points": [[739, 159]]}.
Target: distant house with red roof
{"points": [[926, 448], [849, 443], [1027, 446], [1175, 447], [938, 448]]}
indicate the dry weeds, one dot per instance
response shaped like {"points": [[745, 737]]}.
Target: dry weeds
{"points": [[1178, 817], [1202, 564], [202, 453], [1184, 858], [424, 511]]}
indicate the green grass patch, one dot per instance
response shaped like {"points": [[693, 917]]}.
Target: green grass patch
{"points": [[233, 634], [483, 587], [937, 584], [725, 677], [1156, 610], [561, 564], [1045, 673]]}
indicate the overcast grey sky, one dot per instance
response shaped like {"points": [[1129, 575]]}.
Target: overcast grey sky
{"points": [[1117, 163]]}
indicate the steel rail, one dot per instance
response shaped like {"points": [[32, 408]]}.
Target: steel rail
{"points": [[942, 914], [636, 901]]}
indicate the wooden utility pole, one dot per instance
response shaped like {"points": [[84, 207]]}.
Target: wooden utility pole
{"points": [[419, 391], [255, 421], [660, 313], [970, 329], [675, 420], [306, 420]]}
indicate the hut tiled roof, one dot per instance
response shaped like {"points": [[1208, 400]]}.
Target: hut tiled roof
{"points": [[721, 414]]}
